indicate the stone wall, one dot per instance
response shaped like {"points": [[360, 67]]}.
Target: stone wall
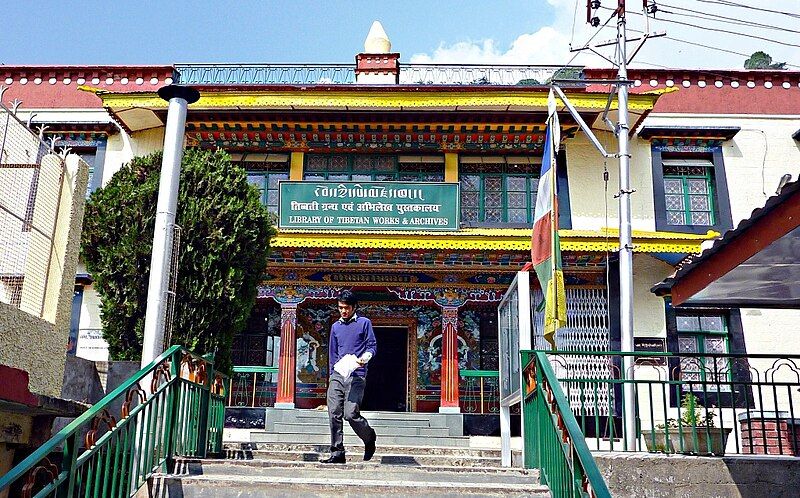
{"points": [[644, 475]]}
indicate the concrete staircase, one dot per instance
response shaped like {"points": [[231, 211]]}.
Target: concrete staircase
{"points": [[418, 454]]}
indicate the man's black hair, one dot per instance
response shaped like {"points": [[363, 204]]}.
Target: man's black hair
{"points": [[347, 297]]}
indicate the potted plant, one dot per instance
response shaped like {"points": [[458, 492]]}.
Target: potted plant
{"points": [[694, 433]]}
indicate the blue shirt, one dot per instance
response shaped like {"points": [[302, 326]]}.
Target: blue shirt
{"points": [[352, 337]]}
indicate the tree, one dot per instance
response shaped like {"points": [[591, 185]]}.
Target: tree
{"points": [[762, 60], [224, 243]]}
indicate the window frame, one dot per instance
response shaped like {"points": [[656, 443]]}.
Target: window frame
{"points": [[264, 172], [718, 182], [396, 173]]}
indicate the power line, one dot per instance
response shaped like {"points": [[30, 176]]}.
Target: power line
{"points": [[723, 19], [728, 3], [719, 30]]}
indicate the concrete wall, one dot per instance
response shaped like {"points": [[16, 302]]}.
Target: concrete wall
{"points": [[677, 476], [28, 342], [122, 147]]}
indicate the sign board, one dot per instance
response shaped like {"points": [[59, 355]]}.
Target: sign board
{"points": [[369, 206], [650, 345]]}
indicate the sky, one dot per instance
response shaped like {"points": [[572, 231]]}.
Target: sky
{"points": [[431, 31]]}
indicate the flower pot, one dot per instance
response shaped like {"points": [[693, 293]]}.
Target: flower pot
{"points": [[689, 440]]}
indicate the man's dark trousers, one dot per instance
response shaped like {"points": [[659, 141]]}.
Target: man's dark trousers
{"points": [[344, 399]]}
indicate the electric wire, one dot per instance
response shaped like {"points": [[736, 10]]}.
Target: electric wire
{"points": [[721, 18], [719, 30], [728, 3]]}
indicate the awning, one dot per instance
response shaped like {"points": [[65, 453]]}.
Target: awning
{"points": [[755, 265], [495, 239]]}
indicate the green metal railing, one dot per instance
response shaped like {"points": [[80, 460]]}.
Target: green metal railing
{"points": [[98, 455], [480, 391], [553, 440], [696, 403], [253, 386]]}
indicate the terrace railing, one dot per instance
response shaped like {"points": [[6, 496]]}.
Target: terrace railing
{"points": [[553, 440], [344, 74], [480, 391], [253, 386], [696, 403], [179, 414]]}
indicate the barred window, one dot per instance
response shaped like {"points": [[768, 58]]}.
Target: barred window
{"points": [[703, 334], [689, 192], [498, 190], [265, 171], [373, 168]]}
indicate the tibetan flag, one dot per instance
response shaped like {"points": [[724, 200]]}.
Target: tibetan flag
{"points": [[545, 246]]}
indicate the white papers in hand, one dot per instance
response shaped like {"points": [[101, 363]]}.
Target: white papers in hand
{"points": [[346, 365]]}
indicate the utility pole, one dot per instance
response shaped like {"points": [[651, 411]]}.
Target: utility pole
{"points": [[179, 97], [625, 239]]}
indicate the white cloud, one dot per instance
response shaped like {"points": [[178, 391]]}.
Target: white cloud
{"points": [[550, 44]]}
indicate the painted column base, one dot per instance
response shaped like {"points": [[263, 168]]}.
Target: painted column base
{"points": [[449, 409], [285, 406]]}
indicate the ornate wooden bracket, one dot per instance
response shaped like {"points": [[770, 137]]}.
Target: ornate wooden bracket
{"points": [[91, 435], [158, 373], [47, 467], [126, 406]]}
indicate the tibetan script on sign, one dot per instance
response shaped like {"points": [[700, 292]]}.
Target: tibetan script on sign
{"points": [[369, 205]]}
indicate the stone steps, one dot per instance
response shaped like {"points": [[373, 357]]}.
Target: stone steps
{"points": [[241, 449], [384, 456], [266, 477], [382, 429], [351, 439]]}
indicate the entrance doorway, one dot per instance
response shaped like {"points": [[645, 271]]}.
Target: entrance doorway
{"points": [[387, 383]]}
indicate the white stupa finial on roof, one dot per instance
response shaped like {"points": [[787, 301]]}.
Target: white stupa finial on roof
{"points": [[377, 41]]}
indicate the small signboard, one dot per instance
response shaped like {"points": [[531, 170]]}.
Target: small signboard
{"points": [[650, 345], [369, 206]]}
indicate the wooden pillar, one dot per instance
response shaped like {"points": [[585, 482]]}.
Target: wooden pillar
{"points": [[449, 395], [288, 357], [296, 166], [451, 167]]}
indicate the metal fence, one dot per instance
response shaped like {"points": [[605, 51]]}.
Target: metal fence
{"points": [[253, 386], [343, 74], [696, 403], [31, 186], [480, 391]]}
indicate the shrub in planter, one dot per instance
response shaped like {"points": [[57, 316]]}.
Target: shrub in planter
{"points": [[695, 432]]}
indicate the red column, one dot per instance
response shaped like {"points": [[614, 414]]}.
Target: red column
{"points": [[288, 357], [449, 400]]}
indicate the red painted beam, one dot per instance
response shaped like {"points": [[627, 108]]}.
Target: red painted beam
{"points": [[14, 387], [779, 221]]}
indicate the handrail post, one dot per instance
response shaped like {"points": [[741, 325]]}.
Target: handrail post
{"points": [[70, 457], [173, 399], [205, 406]]}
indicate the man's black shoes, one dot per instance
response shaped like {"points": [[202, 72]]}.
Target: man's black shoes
{"points": [[334, 459], [369, 446]]}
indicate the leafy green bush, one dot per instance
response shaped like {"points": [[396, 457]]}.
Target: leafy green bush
{"points": [[222, 256]]}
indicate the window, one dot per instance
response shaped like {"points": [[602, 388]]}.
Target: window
{"points": [[703, 334], [264, 171], [498, 190], [373, 168], [689, 192]]}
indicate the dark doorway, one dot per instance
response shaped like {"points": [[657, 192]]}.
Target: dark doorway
{"points": [[387, 383]]}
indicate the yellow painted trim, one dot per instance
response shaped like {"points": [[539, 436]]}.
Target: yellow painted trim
{"points": [[451, 167], [296, 165], [501, 240], [372, 99]]}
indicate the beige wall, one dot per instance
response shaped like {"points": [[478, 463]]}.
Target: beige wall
{"points": [[38, 345], [587, 189], [122, 147]]}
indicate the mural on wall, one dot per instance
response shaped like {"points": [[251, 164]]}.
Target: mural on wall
{"points": [[313, 326]]}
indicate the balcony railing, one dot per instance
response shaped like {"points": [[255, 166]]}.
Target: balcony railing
{"points": [[344, 74]]}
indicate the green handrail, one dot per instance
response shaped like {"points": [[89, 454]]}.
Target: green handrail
{"points": [[479, 373], [253, 369], [180, 416], [553, 440]]}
